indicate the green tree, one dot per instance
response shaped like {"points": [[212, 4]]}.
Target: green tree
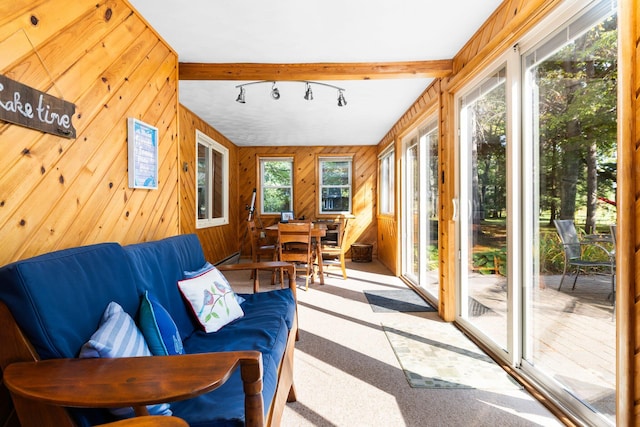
{"points": [[577, 104]]}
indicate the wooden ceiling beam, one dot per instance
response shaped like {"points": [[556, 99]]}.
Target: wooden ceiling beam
{"points": [[316, 71]]}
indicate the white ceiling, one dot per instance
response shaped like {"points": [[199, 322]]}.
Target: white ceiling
{"points": [[310, 31]]}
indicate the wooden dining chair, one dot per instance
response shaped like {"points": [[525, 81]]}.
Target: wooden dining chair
{"points": [[333, 252], [295, 245], [261, 250]]}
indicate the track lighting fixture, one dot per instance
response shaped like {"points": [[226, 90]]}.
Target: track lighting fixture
{"points": [[308, 93], [275, 93], [341, 101], [240, 97]]}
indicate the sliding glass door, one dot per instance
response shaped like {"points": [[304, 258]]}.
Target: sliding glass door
{"points": [[569, 95], [537, 144], [483, 214], [420, 221]]}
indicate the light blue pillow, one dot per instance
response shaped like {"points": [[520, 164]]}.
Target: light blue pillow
{"points": [[223, 280], [158, 328], [118, 336]]}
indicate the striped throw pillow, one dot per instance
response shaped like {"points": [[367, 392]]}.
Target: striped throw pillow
{"points": [[118, 336]]}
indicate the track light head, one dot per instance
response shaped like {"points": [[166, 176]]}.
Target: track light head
{"points": [[275, 93], [308, 94], [240, 97], [341, 101]]}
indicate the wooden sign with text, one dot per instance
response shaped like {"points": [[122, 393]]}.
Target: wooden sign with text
{"points": [[28, 107]]}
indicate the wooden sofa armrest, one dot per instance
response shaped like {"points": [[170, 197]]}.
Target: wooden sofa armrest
{"points": [[266, 265], [135, 381]]}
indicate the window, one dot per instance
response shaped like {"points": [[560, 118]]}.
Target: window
{"points": [[335, 185], [387, 180], [212, 182], [276, 180]]}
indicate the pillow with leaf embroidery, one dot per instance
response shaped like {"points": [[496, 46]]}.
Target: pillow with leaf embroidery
{"points": [[206, 267], [211, 299]]}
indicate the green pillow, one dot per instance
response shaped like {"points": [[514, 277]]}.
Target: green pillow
{"points": [[158, 328]]}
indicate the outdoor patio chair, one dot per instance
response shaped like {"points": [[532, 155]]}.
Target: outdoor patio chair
{"points": [[574, 250]]}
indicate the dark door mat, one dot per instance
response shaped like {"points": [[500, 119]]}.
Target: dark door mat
{"points": [[399, 300]]}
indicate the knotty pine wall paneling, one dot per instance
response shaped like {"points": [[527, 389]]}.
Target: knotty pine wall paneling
{"points": [[56, 192], [362, 225], [217, 242], [628, 198], [388, 233]]}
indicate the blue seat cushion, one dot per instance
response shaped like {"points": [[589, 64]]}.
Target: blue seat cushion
{"points": [[227, 401], [279, 302], [267, 334]]}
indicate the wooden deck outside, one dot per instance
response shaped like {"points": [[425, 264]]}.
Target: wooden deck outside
{"points": [[574, 332]]}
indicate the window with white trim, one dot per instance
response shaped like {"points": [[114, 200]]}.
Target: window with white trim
{"points": [[335, 185], [386, 165], [276, 185], [212, 182]]}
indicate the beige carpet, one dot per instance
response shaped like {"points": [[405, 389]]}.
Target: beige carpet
{"points": [[346, 372]]}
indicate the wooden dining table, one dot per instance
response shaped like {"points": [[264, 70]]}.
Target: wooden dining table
{"points": [[318, 230]]}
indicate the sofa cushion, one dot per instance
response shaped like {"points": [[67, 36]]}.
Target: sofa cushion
{"points": [[58, 298], [158, 328], [157, 266], [211, 299], [118, 336], [228, 401], [277, 302], [267, 334]]}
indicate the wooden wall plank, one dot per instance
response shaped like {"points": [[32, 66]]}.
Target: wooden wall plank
{"points": [[22, 172], [55, 192], [628, 273], [628, 198]]}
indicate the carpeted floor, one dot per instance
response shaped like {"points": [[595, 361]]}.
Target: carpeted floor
{"points": [[347, 374]]}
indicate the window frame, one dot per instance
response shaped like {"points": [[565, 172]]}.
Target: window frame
{"points": [[211, 145], [334, 158], [386, 181], [261, 161]]}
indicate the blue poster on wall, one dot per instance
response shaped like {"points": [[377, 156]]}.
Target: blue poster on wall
{"points": [[143, 155]]}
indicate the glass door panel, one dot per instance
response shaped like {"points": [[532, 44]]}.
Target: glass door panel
{"points": [[569, 101], [411, 247], [429, 208], [483, 208], [420, 223]]}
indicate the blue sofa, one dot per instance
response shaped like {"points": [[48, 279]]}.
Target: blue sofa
{"points": [[57, 301]]}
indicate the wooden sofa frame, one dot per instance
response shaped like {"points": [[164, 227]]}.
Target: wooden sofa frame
{"points": [[40, 390]]}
